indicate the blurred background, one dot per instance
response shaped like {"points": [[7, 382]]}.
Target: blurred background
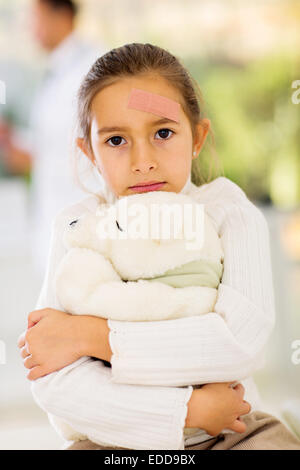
{"points": [[245, 57]]}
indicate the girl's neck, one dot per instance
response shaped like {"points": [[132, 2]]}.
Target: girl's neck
{"points": [[187, 187]]}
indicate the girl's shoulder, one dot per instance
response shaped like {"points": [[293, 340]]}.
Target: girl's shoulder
{"points": [[224, 198], [69, 213], [220, 188]]}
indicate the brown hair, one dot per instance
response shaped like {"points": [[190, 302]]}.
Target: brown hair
{"points": [[144, 59], [62, 5]]}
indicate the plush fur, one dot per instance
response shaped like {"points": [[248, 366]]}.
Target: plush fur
{"points": [[90, 278]]}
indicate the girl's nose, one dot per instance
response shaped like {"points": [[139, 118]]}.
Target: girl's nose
{"points": [[142, 159]]}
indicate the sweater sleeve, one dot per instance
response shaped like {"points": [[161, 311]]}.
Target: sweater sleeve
{"points": [[223, 345], [83, 394]]}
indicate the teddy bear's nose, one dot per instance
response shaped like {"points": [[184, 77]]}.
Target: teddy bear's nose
{"points": [[74, 222]]}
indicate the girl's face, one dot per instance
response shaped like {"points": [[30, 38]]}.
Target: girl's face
{"points": [[140, 149]]}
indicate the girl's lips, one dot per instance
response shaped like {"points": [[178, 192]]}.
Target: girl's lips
{"points": [[150, 187]]}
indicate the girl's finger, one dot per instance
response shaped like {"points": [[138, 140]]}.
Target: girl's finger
{"points": [[238, 426], [25, 352], [34, 317], [245, 408], [36, 373], [21, 340], [29, 362]]}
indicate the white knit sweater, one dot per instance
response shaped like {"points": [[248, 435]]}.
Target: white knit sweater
{"points": [[141, 402]]}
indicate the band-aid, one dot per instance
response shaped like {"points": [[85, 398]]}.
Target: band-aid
{"points": [[153, 103]]}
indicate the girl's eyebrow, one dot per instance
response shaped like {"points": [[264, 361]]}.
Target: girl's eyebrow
{"points": [[105, 130]]}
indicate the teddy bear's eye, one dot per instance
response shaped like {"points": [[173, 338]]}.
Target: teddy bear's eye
{"points": [[74, 222], [119, 226]]}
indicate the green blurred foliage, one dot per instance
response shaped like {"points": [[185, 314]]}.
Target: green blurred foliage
{"points": [[256, 124]]}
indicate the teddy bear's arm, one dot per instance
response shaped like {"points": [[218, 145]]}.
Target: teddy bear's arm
{"points": [[79, 273], [87, 284], [149, 301]]}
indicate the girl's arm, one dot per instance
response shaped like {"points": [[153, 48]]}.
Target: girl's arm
{"points": [[134, 417], [227, 343]]}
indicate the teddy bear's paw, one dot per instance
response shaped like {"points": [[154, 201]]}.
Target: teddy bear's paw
{"points": [[78, 274]]}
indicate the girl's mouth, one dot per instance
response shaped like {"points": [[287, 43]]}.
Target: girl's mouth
{"points": [[150, 187]]}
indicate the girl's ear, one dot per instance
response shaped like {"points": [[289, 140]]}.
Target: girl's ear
{"points": [[202, 130], [84, 147]]}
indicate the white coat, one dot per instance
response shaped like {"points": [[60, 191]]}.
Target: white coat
{"points": [[53, 118]]}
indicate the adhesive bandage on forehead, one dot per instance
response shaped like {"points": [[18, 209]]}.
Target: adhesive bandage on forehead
{"points": [[153, 103]]}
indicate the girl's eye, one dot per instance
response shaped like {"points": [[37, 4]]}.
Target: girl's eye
{"points": [[116, 140], [164, 133]]}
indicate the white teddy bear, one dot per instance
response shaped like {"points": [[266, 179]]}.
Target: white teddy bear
{"points": [[90, 278], [114, 269]]}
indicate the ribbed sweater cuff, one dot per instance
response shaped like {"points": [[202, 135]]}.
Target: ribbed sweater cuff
{"points": [[248, 323]]}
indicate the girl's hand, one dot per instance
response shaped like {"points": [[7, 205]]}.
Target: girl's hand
{"points": [[51, 342], [217, 406]]}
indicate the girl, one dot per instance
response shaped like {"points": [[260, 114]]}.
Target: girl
{"points": [[145, 399]]}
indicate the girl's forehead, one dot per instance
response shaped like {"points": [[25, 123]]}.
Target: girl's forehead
{"points": [[123, 87], [151, 96], [154, 103]]}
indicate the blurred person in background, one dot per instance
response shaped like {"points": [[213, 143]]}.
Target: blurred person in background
{"points": [[46, 154]]}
